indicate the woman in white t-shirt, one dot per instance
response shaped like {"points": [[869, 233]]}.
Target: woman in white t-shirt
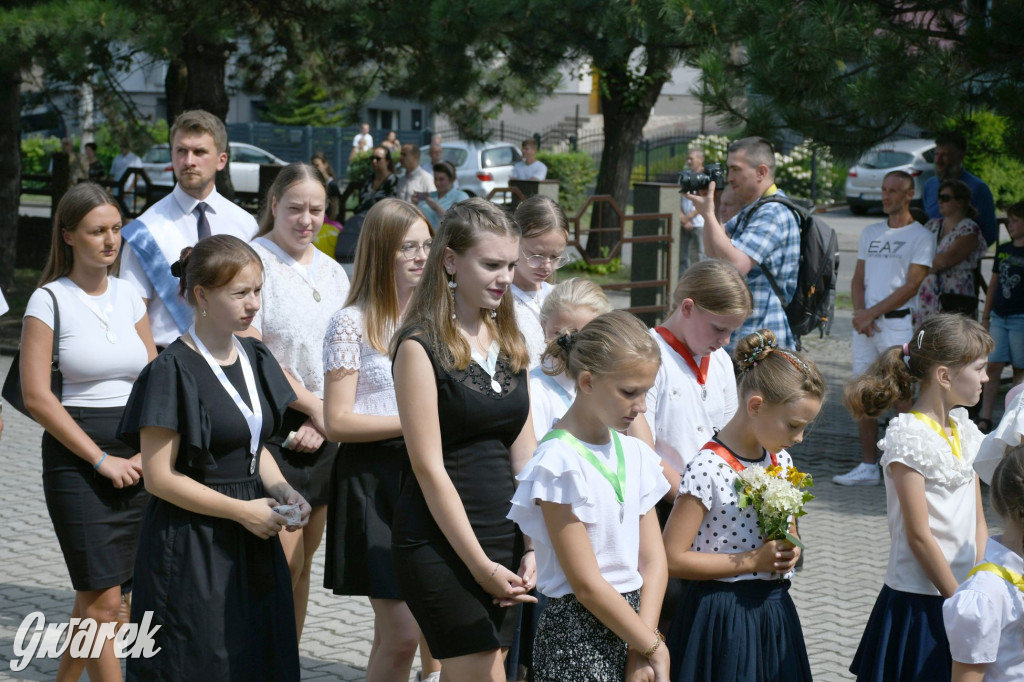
{"points": [[933, 496], [302, 288], [587, 499], [541, 251], [568, 308], [92, 482], [360, 411]]}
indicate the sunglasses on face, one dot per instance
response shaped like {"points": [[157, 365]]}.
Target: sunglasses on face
{"points": [[946, 197], [376, 158]]}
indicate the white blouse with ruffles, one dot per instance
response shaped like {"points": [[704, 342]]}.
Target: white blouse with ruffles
{"points": [[346, 349]]}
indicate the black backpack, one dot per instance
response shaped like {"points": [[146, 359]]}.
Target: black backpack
{"points": [[814, 303]]}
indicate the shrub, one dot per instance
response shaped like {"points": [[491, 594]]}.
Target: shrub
{"points": [[988, 154], [36, 153], [793, 172], [575, 172]]}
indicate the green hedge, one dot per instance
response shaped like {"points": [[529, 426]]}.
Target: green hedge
{"points": [[575, 172], [989, 156], [36, 151]]}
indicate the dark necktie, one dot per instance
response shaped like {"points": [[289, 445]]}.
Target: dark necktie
{"points": [[202, 223]]}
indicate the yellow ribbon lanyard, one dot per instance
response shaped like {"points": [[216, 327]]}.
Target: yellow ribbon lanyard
{"points": [[771, 190], [954, 442], [1015, 579]]}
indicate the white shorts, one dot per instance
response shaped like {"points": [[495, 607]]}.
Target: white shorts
{"points": [[892, 332]]}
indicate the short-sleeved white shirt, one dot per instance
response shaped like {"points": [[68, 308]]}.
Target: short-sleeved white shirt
{"points": [[418, 180], [363, 137], [681, 421], [173, 224], [292, 322], [3, 304], [346, 348], [985, 618], [558, 474], [527, 306], [537, 170], [888, 254], [97, 373], [726, 528], [550, 398], [949, 493]]}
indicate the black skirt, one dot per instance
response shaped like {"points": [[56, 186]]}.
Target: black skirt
{"points": [[365, 485], [308, 472], [572, 645], [97, 525], [737, 632]]}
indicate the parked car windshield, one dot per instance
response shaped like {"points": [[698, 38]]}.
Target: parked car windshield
{"points": [[250, 156], [454, 155], [499, 156], [886, 158]]}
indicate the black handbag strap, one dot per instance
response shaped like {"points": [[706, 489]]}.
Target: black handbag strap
{"points": [[55, 353]]}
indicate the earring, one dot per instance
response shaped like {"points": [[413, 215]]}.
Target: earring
{"points": [[494, 313], [451, 292], [204, 312]]}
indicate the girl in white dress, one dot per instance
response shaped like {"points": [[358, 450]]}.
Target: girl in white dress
{"points": [[302, 288], [541, 251], [936, 521], [985, 616], [587, 499], [568, 308], [360, 411]]}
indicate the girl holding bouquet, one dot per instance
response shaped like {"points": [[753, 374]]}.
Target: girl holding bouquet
{"points": [[738, 579], [587, 499], [936, 522]]}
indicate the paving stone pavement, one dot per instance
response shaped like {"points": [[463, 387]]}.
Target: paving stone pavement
{"points": [[845, 533]]}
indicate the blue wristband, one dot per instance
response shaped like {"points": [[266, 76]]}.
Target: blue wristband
{"points": [[97, 465]]}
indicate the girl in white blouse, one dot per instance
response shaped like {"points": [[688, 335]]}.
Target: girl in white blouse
{"points": [[541, 251], [568, 308], [587, 499], [936, 522], [360, 411], [985, 616], [302, 288], [92, 482], [737, 582]]}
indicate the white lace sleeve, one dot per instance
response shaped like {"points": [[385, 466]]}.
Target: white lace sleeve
{"points": [[342, 341]]}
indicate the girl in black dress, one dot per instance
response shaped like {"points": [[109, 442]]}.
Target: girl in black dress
{"points": [[210, 566], [463, 399], [91, 481]]}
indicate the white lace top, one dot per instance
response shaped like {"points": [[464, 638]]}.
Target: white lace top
{"points": [[527, 305], [949, 493], [346, 350], [291, 320]]}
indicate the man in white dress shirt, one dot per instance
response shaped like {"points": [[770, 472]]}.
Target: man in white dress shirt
{"points": [[192, 211], [416, 181]]}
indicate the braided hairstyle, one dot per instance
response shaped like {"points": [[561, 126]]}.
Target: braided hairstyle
{"points": [[777, 374]]}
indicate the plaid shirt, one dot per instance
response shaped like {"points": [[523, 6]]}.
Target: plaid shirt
{"points": [[771, 239]]}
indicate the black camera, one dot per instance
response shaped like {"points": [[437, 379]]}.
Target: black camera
{"points": [[692, 181]]}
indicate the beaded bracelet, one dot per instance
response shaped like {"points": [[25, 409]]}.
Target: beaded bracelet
{"points": [[649, 651]]}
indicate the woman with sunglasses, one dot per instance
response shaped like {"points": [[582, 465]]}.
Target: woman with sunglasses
{"points": [[541, 252], [381, 184], [951, 286]]}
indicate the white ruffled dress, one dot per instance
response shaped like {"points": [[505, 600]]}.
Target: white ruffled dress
{"points": [[949, 493], [556, 473]]}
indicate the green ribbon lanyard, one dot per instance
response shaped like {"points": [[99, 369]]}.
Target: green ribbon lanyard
{"points": [[617, 480]]}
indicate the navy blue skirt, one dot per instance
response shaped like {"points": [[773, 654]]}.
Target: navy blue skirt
{"points": [[746, 631], [904, 641]]}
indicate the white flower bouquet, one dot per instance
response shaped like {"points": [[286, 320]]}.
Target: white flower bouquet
{"points": [[778, 497]]}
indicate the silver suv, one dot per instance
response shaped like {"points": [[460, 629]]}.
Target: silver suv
{"points": [[480, 166]]}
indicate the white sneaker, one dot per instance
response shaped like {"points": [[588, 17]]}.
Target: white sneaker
{"points": [[432, 677], [862, 474]]}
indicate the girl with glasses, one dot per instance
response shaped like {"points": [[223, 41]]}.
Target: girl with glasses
{"points": [[361, 412], [541, 252]]}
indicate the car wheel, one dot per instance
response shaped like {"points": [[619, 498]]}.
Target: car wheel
{"points": [[858, 209]]}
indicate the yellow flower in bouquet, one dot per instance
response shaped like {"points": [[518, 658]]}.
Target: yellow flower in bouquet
{"points": [[777, 495]]}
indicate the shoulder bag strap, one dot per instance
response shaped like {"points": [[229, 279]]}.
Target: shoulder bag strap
{"points": [[55, 352]]}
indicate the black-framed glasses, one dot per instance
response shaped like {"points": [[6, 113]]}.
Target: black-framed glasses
{"points": [[946, 197], [537, 260], [410, 250]]}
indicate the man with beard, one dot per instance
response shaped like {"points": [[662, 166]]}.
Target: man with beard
{"points": [[192, 211], [950, 149]]}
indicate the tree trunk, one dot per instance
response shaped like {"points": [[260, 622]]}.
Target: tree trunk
{"points": [[206, 66], [626, 103], [174, 88], [10, 169]]}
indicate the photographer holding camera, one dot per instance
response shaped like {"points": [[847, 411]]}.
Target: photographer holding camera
{"points": [[768, 238]]}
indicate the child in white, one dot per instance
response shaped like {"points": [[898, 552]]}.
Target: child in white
{"points": [[545, 236], [737, 581], [985, 616], [603, 563], [694, 394], [567, 309], [936, 523]]}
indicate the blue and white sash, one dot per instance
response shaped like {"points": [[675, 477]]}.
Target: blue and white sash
{"points": [[158, 270]]}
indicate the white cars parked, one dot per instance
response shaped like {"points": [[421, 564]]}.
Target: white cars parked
{"points": [[864, 181]]}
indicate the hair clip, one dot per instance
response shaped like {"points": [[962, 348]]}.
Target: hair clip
{"points": [[920, 338], [567, 341], [176, 268], [795, 361]]}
